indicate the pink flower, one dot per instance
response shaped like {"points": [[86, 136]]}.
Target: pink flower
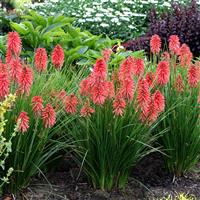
{"points": [[71, 103], [111, 89], [185, 56], [37, 106], [193, 76], [14, 44], [138, 67], [119, 105], [25, 80], [58, 56], [84, 87], [106, 54], [174, 44], [126, 68], [162, 73], [158, 101], [48, 116], [143, 96], [179, 84], [150, 77], [127, 89], [23, 122], [100, 68], [15, 69], [86, 110], [4, 84], [155, 44], [41, 59]]}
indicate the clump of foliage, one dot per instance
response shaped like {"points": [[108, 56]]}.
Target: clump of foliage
{"points": [[182, 20], [5, 144], [182, 93], [37, 108]]}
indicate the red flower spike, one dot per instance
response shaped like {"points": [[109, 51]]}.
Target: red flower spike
{"points": [[84, 87], [25, 80], [138, 67], [163, 73], [126, 68], [106, 54], [99, 92], [166, 56], [15, 69], [111, 89], [37, 106], [143, 96], [86, 110], [14, 44], [179, 84], [119, 105], [127, 89], [9, 56], [41, 59], [185, 56], [174, 44], [48, 116], [155, 44], [23, 122], [4, 82], [193, 76], [150, 77], [58, 56], [100, 69], [158, 101], [71, 103]]}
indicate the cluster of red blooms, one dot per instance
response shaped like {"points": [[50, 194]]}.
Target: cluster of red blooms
{"points": [[121, 89], [183, 55], [19, 73]]}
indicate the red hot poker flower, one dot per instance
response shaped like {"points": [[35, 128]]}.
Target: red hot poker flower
{"points": [[23, 122], [106, 54], [100, 68], [15, 69], [119, 105], [86, 110], [193, 76], [25, 80], [185, 56], [126, 68], [48, 116], [143, 96], [58, 56], [37, 106], [138, 67], [158, 101], [84, 87], [71, 103], [14, 44], [4, 83], [41, 59], [174, 44], [162, 73], [179, 84], [127, 89], [155, 44], [150, 77]]}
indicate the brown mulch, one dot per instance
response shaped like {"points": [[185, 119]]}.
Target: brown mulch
{"points": [[149, 180]]}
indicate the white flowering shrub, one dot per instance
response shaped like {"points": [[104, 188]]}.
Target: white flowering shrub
{"points": [[117, 18]]}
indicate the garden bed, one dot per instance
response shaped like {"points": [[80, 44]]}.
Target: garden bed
{"points": [[149, 180]]}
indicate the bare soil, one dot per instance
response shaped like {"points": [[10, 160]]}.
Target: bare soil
{"points": [[149, 180]]}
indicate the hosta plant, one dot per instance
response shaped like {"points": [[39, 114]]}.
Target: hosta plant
{"points": [[39, 31], [181, 87], [37, 107], [117, 114], [5, 144]]}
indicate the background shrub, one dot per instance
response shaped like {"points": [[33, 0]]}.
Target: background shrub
{"points": [[182, 20], [122, 19]]}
